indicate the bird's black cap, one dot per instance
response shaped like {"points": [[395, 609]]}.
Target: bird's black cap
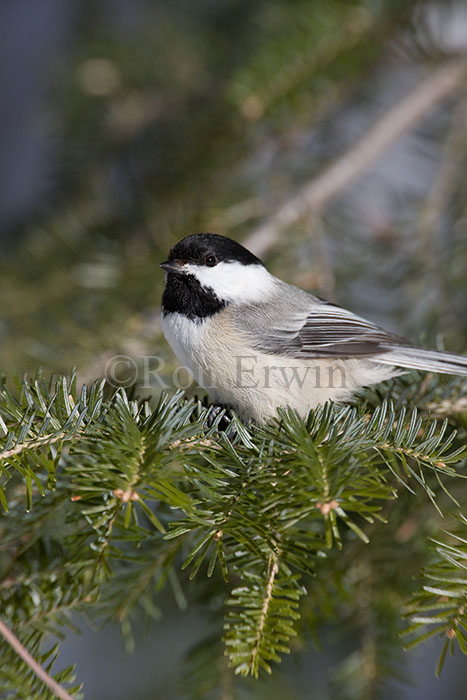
{"points": [[198, 247]]}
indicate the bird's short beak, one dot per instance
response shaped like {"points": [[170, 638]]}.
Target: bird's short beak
{"points": [[173, 266]]}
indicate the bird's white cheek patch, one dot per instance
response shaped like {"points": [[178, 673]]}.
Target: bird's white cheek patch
{"points": [[234, 282]]}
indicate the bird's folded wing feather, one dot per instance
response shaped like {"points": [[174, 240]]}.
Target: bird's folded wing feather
{"points": [[311, 328], [326, 330]]}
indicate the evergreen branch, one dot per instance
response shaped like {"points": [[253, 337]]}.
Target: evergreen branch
{"points": [[261, 625], [42, 599], [440, 608], [160, 566], [220, 522], [36, 668], [146, 489], [333, 466], [29, 447], [328, 469], [273, 570], [418, 441], [43, 441], [125, 464]]}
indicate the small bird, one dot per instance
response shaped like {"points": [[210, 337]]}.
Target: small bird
{"points": [[256, 343]]}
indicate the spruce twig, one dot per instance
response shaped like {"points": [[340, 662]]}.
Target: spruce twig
{"points": [[21, 650]]}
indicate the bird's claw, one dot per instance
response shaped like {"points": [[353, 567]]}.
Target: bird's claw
{"points": [[225, 422]]}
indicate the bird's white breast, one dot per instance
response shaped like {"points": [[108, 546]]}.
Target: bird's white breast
{"points": [[253, 383], [185, 337]]}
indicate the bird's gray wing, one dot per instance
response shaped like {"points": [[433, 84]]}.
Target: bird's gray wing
{"points": [[326, 330], [302, 326]]}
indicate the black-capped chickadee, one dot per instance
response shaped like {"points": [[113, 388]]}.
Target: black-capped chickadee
{"points": [[256, 343]]}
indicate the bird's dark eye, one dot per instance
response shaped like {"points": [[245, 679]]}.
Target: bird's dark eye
{"points": [[210, 260]]}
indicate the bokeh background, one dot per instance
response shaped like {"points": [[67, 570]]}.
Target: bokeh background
{"points": [[126, 125]]}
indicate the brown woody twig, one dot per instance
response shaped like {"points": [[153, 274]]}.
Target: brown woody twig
{"points": [[316, 194]]}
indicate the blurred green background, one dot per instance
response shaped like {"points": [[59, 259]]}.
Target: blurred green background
{"points": [[126, 125]]}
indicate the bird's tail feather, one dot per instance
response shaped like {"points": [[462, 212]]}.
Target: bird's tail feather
{"points": [[425, 360]]}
